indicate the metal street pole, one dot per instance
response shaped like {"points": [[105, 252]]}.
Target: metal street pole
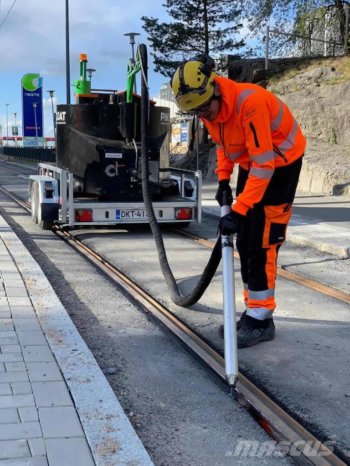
{"points": [[346, 36], [36, 125], [7, 125], [67, 54], [132, 36], [267, 43], [15, 115], [90, 71], [52, 93]]}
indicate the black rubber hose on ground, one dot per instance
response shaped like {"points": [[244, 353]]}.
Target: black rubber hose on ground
{"points": [[211, 267]]}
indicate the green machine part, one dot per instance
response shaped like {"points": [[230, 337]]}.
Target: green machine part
{"points": [[83, 85], [133, 69]]}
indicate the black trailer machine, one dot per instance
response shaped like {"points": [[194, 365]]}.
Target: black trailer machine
{"points": [[97, 177]]}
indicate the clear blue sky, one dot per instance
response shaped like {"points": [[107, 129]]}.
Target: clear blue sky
{"points": [[32, 40]]}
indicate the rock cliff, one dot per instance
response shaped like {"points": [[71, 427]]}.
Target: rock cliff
{"points": [[319, 96]]}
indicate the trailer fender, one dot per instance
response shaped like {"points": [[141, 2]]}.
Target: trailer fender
{"points": [[44, 200]]}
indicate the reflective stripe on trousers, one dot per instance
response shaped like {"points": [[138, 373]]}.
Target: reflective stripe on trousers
{"points": [[261, 304]]}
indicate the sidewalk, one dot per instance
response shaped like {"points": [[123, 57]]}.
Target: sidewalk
{"points": [[321, 222], [56, 406]]}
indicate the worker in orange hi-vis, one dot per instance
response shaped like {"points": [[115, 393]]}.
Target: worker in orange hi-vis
{"points": [[253, 128]]}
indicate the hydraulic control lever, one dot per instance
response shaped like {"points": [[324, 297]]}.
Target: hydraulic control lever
{"points": [[230, 331]]}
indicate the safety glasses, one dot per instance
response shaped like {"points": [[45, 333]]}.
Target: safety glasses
{"points": [[202, 109], [205, 107]]}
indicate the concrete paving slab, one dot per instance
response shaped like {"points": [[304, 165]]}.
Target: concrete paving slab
{"points": [[20, 431], [8, 349], [68, 451], [26, 324], [11, 357], [25, 312], [52, 425], [5, 389], [37, 354], [13, 377], [37, 446], [31, 337], [21, 388], [35, 461], [16, 401], [9, 415], [15, 366], [43, 371], [28, 414], [14, 449], [51, 394]]}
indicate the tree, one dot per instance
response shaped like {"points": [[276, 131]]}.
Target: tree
{"points": [[289, 16], [200, 26]]}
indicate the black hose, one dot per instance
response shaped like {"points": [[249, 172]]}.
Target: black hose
{"points": [[210, 269]]}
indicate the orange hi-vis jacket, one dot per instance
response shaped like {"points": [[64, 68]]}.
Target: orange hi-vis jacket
{"points": [[257, 130]]}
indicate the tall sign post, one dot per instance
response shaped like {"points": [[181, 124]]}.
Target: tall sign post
{"points": [[32, 110], [15, 128]]}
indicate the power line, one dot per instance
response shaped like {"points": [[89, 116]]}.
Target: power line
{"points": [[299, 36], [13, 4]]}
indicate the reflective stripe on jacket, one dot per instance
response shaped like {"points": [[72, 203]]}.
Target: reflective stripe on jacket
{"points": [[257, 130]]}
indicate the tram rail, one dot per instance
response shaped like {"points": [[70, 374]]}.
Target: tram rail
{"points": [[276, 421], [292, 276]]}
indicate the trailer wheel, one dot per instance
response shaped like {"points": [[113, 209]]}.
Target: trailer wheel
{"points": [[36, 209], [183, 224], [45, 224]]}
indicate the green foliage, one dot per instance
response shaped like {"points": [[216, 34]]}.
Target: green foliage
{"points": [[289, 19], [200, 26], [332, 137]]}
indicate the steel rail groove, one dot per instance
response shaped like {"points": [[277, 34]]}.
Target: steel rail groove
{"points": [[281, 426], [292, 276]]}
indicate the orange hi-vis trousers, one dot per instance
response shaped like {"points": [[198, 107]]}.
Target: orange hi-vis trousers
{"points": [[263, 233]]}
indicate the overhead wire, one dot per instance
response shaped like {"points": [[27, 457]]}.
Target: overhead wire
{"points": [[10, 9]]}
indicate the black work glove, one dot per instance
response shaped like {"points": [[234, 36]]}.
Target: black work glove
{"points": [[224, 193], [231, 223]]}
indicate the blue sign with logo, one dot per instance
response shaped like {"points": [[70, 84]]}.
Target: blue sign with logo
{"points": [[184, 132], [32, 109]]}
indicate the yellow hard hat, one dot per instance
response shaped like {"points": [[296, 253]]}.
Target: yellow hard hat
{"points": [[193, 84]]}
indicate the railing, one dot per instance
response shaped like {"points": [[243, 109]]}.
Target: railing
{"points": [[29, 154]]}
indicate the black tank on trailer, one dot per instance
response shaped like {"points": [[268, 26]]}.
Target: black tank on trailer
{"points": [[94, 143]]}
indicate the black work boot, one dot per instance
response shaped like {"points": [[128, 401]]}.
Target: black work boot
{"points": [[238, 325], [251, 331], [239, 322]]}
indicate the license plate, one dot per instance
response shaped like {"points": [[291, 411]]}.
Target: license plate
{"points": [[130, 214]]}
